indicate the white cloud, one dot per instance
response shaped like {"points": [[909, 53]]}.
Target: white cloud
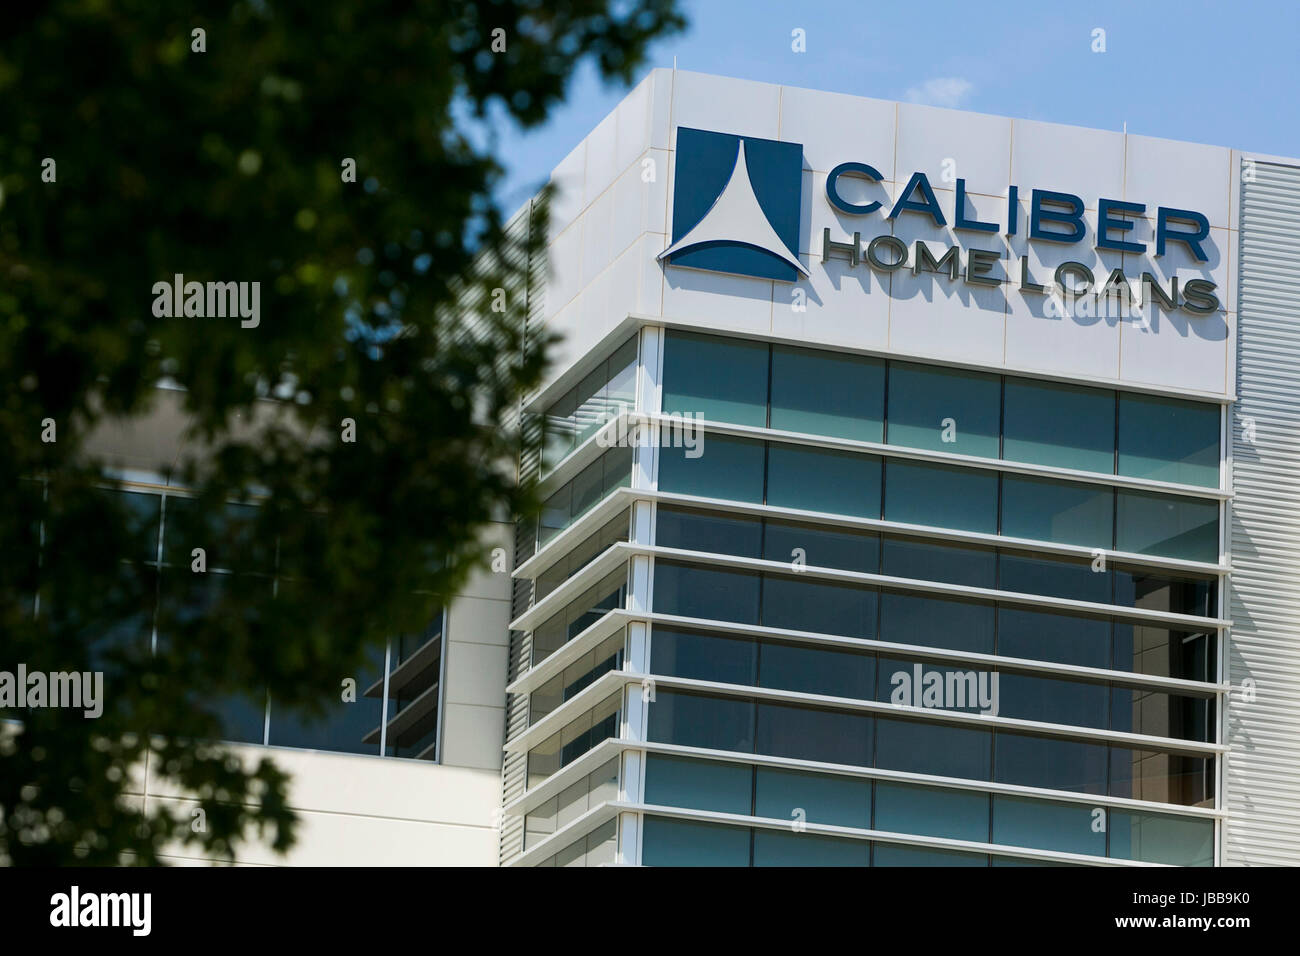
{"points": [[948, 91]]}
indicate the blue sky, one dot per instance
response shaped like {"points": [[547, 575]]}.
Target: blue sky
{"points": [[1225, 73]]}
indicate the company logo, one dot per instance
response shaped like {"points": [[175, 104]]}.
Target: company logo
{"points": [[736, 204]]}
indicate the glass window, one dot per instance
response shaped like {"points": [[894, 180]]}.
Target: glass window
{"points": [[822, 393], [710, 593], [687, 843], [1060, 638], [1157, 590], [1167, 439], [1161, 777], [621, 391], [1161, 652], [141, 514], [823, 798], [787, 848], [919, 746], [1161, 838], [1063, 577], [1139, 710], [186, 613], [1053, 701], [588, 488], [835, 482], [938, 686], [927, 811], [710, 531], [1043, 825], [597, 848], [228, 536], [1058, 511], [571, 501], [819, 547], [544, 760], [817, 670], [1065, 426], [727, 468], [610, 388], [895, 854], [618, 469], [928, 404], [582, 554], [559, 426], [907, 618], [350, 719], [810, 733], [721, 379], [1168, 525], [698, 784], [935, 561], [695, 720], [800, 604], [1053, 763], [940, 496], [555, 513], [716, 657]]}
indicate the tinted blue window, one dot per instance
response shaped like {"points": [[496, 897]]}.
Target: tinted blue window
{"points": [[1057, 577], [817, 670], [923, 399], [1060, 638], [907, 618], [717, 657], [934, 561], [938, 686], [926, 811], [820, 547], [727, 468], [822, 393], [686, 843], [931, 748], [894, 854], [1168, 525], [823, 798], [710, 531], [1166, 439], [785, 848], [941, 497], [694, 720], [1161, 838], [1050, 762], [698, 784], [835, 482], [1053, 701], [1066, 426], [802, 604], [1042, 825], [1057, 511], [344, 725], [809, 733], [714, 593], [722, 379]]}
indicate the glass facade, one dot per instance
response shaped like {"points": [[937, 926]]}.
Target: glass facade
{"points": [[390, 706], [877, 604]]}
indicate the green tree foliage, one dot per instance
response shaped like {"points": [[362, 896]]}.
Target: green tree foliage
{"points": [[228, 165]]}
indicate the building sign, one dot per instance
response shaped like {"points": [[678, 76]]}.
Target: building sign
{"points": [[736, 209]]}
